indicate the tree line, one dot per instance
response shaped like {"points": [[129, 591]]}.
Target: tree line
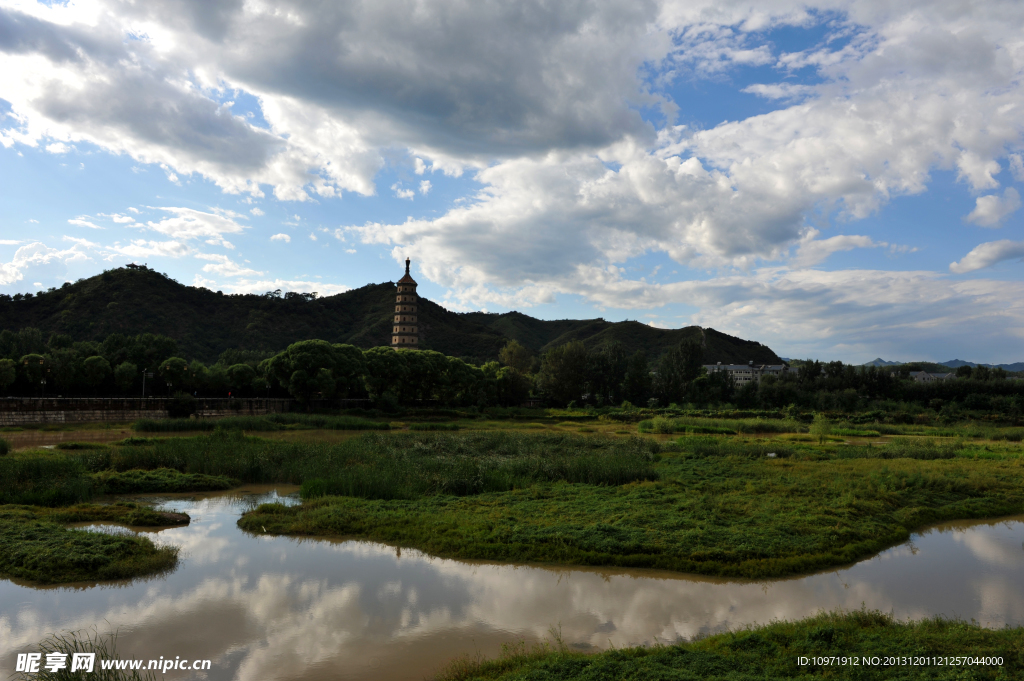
{"points": [[571, 374]]}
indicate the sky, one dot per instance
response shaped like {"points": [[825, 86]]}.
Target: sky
{"points": [[838, 179]]}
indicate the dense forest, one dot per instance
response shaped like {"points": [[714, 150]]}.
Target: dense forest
{"points": [[136, 300]]}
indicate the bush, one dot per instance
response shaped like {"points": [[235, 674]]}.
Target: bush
{"points": [[5, 447], [181, 406], [433, 426]]}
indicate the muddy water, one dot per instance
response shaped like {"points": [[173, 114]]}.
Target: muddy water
{"points": [[282, 608]]}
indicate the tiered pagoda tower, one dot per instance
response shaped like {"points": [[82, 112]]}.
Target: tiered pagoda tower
{"points": [[405, 331]]}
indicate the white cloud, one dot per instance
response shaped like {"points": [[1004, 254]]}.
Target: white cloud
{"points": [[419, 166], [425, 187], [988, 254], [991, 210], [118, 218], [812, 251], [141, 248], [350, 250], [11, 242], [188, 223], [257, 212], [39, 259], [312, 236], [58, 148], [281, 237], [263, 285], [82, 222], [402, 193], [224, 266]]}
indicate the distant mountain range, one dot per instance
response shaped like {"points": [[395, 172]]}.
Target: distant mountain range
{"points": [[135, 300], [952, 364]]}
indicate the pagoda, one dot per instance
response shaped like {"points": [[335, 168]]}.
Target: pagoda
{"points": [[405, 332]]}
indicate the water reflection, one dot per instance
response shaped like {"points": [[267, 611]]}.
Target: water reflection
{"points": [[282, 608]]}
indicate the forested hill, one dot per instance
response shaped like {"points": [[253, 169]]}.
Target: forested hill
{"points": [[205, 323]]}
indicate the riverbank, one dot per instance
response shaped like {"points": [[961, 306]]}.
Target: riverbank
{"points": [[855, 645], [36, 546]]}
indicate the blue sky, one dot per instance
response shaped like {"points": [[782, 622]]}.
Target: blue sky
{"points": [[836, 179]]}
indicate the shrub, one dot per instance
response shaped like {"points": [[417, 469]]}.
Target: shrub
{"points": [[181, 406]]}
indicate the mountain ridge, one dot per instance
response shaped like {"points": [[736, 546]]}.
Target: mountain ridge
{"points": [[204, 323]]}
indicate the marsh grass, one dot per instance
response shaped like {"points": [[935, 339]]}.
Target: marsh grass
{"points": [[718, 506], [770, 652], [43, 480], [394, 467], [159, 480], [433, 426], [69, 642], [709, 426], [35, 546], [267, 423]]}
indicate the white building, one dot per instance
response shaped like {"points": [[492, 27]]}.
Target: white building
{"points": [[926, 377], [745, 373]]}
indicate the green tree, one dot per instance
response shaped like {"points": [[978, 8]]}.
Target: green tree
{"points": [[516, 356], [95, 370], [174, 371], [821, 427], [241, 378], [8, 373], [385, 372], [563, 372], [306, 369], [33, 367], [349, 367], [125, 375], [65, 367], [637, 383], [676, 369]]}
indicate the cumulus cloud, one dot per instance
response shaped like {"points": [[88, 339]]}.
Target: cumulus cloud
{"points": [[257, 212], [263, 285], [988, 254], [223, 265], [425, 187], [81, 221], [402, 193], [188, 223], [281, 237], [40, 259], [992, 210], [141, 248]]}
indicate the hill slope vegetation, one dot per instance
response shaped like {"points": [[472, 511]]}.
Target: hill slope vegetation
{"points": [[135, 299]]}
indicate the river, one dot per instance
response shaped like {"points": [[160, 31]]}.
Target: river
{"points": [[263, 607]]}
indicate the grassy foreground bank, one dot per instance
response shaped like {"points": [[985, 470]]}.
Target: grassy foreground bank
{"points": [[36, 546], [774, 651]]}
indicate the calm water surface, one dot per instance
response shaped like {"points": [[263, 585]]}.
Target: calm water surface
{"points": [[284, 608]]}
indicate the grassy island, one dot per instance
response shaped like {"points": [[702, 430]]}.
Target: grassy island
{"points": [[36, 546], [880, 648]]}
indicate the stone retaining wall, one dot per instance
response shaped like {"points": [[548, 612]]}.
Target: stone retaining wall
{"points": [[22, 411]]}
